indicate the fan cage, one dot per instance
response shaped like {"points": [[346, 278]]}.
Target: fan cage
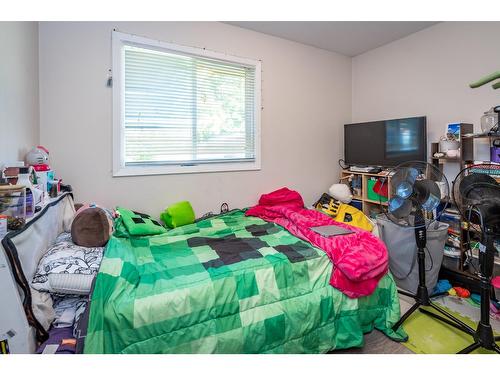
{"points": [[426, 171]]}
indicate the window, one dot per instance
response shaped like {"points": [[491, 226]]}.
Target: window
{"points": [[181, 109]]}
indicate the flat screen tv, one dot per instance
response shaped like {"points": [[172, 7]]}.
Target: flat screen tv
{"points": [[385, 143]]}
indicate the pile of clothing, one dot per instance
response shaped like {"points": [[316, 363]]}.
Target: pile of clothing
{"points": [[63, 280]]}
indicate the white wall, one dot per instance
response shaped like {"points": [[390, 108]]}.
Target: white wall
{"points": [[19, 115], [306, 98], [427, 73]]}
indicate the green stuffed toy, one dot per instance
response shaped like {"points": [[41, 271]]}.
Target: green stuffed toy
{"points": [[178, 214]]}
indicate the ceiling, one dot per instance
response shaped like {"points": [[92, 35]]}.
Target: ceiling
{"points": [[345, 37]]}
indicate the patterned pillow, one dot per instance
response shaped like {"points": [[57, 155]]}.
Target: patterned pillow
{"points": [[67, 268]]}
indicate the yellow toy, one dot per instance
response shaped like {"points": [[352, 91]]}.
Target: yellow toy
{"points": [[343, 213], [352, 216], [328, 205]]}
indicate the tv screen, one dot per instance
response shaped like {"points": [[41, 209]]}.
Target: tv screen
{"points": [[385, 143]]}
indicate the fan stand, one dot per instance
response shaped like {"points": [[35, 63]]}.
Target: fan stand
{"points": [[422, 296], [483, 335]]}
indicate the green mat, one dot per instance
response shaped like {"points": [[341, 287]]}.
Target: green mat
{"points": [[430, 336]]}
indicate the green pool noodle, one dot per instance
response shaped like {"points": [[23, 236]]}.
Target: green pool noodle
{"points": [[178, 214], [486, 79]]}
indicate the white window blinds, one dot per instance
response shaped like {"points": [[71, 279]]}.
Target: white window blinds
{"points": [[183, 109]]}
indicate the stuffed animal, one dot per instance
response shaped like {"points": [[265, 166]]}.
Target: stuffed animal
{"points": [[337, 205], [178, 214], [341, 192], [92, 226], [343, 212], [328, 205], [38, 157], [139, 224]]}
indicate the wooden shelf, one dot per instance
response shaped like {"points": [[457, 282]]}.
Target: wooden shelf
{"points": [[376, 202], [476, 136], [381, 174], [366, 203], [446, 158], [466, 149]]}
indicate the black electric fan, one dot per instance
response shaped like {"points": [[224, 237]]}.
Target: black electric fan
{"points": [[416, 190], [477, 197]]}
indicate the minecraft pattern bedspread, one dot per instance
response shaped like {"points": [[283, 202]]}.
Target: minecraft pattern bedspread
{"points": [[227, 284]]}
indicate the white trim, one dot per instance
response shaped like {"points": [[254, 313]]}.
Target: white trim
{"points": [[118, 81], [181, 169], [119, 40]]}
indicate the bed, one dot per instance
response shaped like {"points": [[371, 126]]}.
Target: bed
{"points": [[227, 284]]}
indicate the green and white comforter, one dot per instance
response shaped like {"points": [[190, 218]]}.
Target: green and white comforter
{"points": [[229, 284]]}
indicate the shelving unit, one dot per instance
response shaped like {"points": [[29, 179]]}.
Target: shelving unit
{"points": [[466, 154], [466, 149], [465, 157], [369, 206]]}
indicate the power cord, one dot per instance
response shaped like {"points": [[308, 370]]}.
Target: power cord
{"points": [[343, 164], [469, 252], [430, 258], [468, 261], [224, 208]]}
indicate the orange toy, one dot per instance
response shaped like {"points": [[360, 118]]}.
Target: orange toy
{"points": [[462, 292]]}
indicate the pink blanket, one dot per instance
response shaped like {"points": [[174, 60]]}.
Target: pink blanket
{"points": [[360, 259]]}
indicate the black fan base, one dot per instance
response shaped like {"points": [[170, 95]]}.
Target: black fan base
{"points": [[421, 299], [483, 335]]}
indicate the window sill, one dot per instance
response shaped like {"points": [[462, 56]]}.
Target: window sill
{"points": [[125, 171]]}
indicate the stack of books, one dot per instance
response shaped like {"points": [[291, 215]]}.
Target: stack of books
{"points": [[452, 246]]}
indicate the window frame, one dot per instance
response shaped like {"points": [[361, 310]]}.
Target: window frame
{"points": [[119, 40]]}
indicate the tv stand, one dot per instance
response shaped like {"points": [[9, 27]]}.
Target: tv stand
{"points": [[368, 202]]}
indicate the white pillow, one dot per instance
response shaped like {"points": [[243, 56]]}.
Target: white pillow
{"points": [[67, 268], [70, 283]]}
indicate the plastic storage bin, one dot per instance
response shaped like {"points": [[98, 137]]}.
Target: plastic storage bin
{"points": [[400, 242], [13, 201]]}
